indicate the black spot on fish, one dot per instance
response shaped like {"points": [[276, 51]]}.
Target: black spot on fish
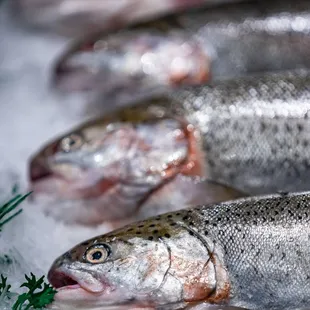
{"points": [[140, 226], [283, 255], [172, 224], [275, 129], [152, 225], [207, 222], [263, 127], [185, 218], [270, 257], [150, 238], [169, 216], [206, 232], [167, 236], [288, 128], [85, 243], [277, 246], [130, 229], [138, 232], [155, 231], [191, 233]]}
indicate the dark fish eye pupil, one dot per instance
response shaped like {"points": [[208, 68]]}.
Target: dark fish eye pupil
{"points": [[97, 255]]}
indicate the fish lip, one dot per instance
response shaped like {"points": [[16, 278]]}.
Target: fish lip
{"points": [[63, 279]]}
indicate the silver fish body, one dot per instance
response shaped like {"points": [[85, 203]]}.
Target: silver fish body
{"points": [[255, 131], [252, 253], [188, 49], [250, 134]]}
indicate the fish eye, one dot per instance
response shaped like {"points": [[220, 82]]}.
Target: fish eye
{"points": [[97, 254], [72, 142]]}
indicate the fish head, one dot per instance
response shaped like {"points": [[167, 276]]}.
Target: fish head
{"points": [[132, 63], [114, 162], [155, 261]]}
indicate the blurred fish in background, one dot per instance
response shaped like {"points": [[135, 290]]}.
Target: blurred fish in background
{"points": [[189, 48]]}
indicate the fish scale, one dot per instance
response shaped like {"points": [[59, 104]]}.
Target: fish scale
{"points": [[253, 232], [255, 130]]}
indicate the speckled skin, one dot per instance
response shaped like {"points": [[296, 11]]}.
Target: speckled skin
{"points": [[233, 34], [256, 250], [224, 42], [255, 130]]}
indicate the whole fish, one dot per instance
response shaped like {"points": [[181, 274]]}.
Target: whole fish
{"points": [[188, 49], [251, 134], [115, 168], [252, 253], [76, 17]]}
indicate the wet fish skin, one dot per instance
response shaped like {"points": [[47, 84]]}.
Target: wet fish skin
{"points": [[73, 17], [251, 133], [255, 130], [115, 169], [251, 253], [221, 41]]}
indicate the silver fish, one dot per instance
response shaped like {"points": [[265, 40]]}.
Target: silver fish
{"points": [[251, 253], [117, 169], [251, 133], [76, 17], [188, 49]]}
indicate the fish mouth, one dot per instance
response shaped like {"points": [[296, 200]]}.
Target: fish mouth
{"points": [[62, 281], [75, 290]]}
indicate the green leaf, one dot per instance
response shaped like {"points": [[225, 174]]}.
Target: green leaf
{"points": [[3, 285], [33, 298], [8, 207]]}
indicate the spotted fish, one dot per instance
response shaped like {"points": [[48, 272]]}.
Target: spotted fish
{"points": [[249, 133], [190, 48], [252, 253]]}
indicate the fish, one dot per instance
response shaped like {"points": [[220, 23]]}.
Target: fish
{"points": [[251, 253], [114, 170], [251, 134], [72, 18], [185, 49]]}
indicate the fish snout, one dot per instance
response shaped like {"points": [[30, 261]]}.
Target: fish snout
{"points": [[38, 170], [58, 278]]}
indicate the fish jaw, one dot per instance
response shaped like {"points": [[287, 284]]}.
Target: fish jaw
{"points": [[81, 289]]}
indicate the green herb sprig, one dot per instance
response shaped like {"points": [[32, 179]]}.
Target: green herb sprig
{"points": [[6, 210], [34, 298]]}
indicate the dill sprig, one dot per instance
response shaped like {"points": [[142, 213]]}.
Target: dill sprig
{"points": [[39, 294], [6, 210]]}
